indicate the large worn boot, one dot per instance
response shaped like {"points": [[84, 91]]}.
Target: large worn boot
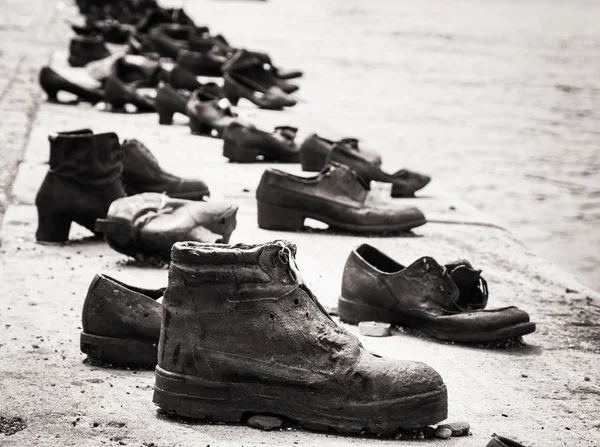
{"points": [[121, 323], [142, 173], [242, 334], [83, 180]]}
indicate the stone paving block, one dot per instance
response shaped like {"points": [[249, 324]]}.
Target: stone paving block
{"points": [[27, 182]]}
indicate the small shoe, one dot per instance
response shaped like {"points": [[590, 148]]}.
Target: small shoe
{"points": [[166, 44], [501, 441], [201, 64], [315, 152], [179, 78], [132, 68], [245, 76], [142, 173], [425, 296], [121, 324], [118, 93], [243, 144], [208, 111], [405, 183], [85, 49], [148, 224], [52, 83], [337, 196]]}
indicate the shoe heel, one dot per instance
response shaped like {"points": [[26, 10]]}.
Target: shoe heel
{"points": [[353, 313], [119, 351], [277, 218], [198, 400], [165, 117], [231, 93], [239, 154], [313, 163], [53, 228], [117, 105], [198, 128]]}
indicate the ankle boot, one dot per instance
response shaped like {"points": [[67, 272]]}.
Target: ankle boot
{"points": [[83, 180], [83, 50], [142, 173], [242, 334], [121, 323], [147, 225]]}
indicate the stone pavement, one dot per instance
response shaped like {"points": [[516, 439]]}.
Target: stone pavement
{"points": [[545, 393]]}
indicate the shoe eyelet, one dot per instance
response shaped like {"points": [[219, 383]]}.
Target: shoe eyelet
{"points": [[296, 302]]}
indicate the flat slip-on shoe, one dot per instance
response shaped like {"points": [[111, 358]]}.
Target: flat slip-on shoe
{"points": [[121, 323], [52, 83], [148, 224], [501, 441], [336, 196], [424, 296], [243, 144]]}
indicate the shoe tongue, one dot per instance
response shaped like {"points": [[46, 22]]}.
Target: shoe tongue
{"points": [[471, 285]]}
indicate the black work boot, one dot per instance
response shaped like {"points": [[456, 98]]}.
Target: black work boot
{"points": [[241, 334], [83, 180], [85, 49], [142, 173]]}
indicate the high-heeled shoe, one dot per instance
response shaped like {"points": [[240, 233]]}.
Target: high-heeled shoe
{"points": [[117, 93], [52, 83], [170, 101], [208, 111]]}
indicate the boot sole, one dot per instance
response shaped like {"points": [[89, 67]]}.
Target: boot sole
{"points": [[119, 351], [195, 398], [285, 219], [353, 313]]}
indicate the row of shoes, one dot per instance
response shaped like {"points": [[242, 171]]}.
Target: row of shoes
{"points": [[237, 330]]}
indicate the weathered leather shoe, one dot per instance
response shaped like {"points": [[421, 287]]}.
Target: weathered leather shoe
{"points": [[243, 144], [315, 152], [118, 93], [336, 196], [142, 173], [242, 334], [52, 83], [207, 111], [147, 225], [246, 77], [179, 78], [84, 49], [201, 64], [424, 296], [83, 180], [121, 323]]}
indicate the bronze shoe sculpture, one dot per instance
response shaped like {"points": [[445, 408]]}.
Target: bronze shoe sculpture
{"points": [[142, 173], [121, 323], [84, 178], [247, 144], [147, 225], [337, 196], [447, 303], [242, 334]]}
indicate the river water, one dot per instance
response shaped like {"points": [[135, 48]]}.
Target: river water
{"points": [[499, 100]]}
